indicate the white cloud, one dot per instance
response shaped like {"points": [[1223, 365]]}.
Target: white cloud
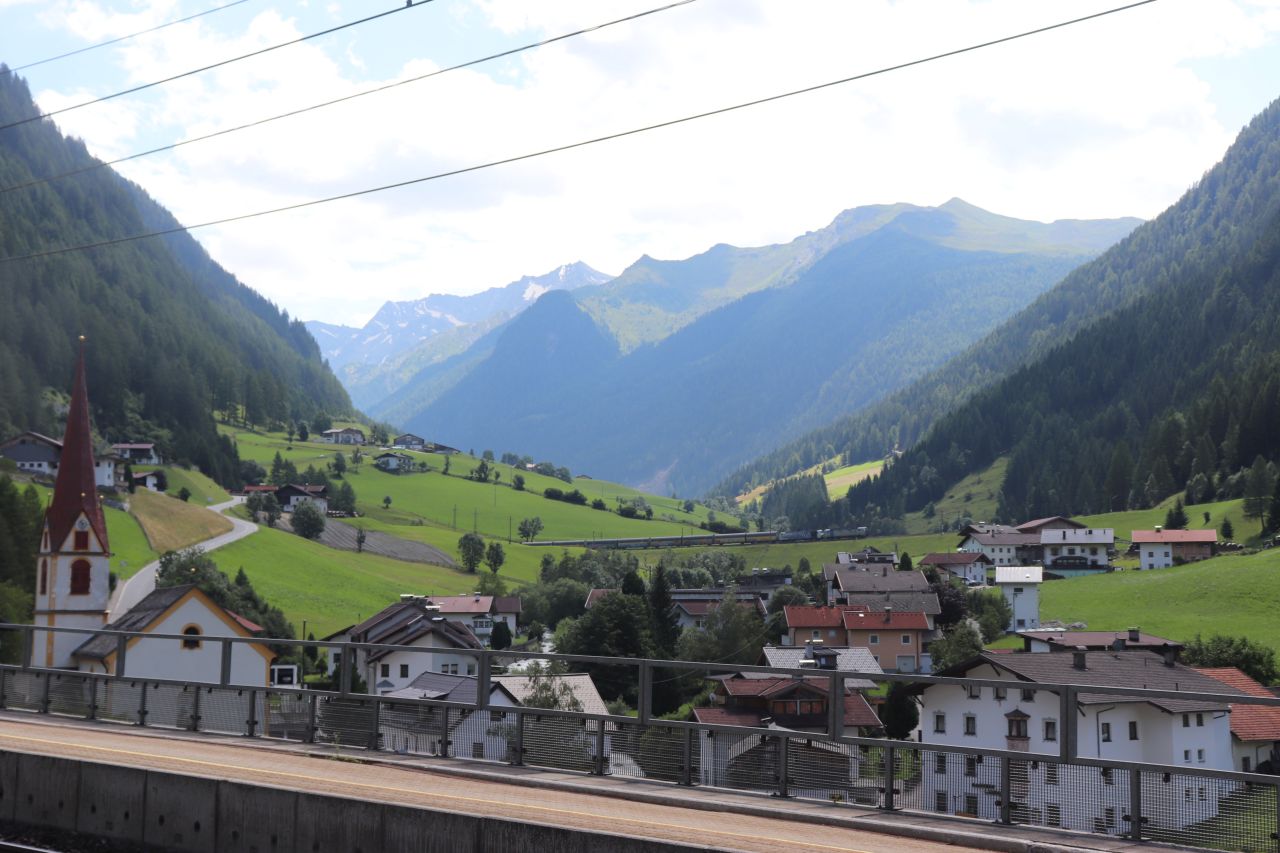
{"points": [[1106, 118]]}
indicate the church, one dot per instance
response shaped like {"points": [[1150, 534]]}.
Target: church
{"points": [[73, 589]]}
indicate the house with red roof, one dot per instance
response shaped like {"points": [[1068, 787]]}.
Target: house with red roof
{"points": [[1255, 729], [895, 638], [1161, 549]]}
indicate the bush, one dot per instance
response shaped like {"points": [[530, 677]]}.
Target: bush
{"points": [[308, 522], [551, 493], [599, 503]]}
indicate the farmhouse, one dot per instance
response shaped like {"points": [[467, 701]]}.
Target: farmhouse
{"points": [[1077, 551], [409, 441], [39, 454], [693, 606], [148, 480], [471, 732], [391, 461], [479, 612], [1160, 549], [967, 566], [1056, 522], [345, 435], [1021, 718], [294, 494], [1002, 545], [844, 580], [142, 453]]}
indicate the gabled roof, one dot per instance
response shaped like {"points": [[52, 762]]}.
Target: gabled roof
{"points": [[463, 603], [857, 712], [406, 621], [1019, 574], [40, 438], [154, 606], [898, 620], [447, 688], [507, 604], [847, 659], [955, 558], [815, 615], [1100, 640], [137, 445], [75, 491], [1175, 537], [1003, 536], [1248, 722], [915, 601], [872, 577], [310, 490], [579, 684], [1106, 669], [1035, 525], [703, 606]]}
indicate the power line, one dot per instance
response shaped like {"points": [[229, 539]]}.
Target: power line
{"points": [[119, 39], [375, 90], [218, 64], [572, 145]]}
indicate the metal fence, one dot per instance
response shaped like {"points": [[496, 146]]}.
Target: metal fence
{"points": [[1176, 804]]}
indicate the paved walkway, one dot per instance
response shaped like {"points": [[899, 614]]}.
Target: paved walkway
{"points": [[142, 583], [711, 818]]}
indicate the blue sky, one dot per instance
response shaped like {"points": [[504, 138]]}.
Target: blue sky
{"points": [[1115, 117]]}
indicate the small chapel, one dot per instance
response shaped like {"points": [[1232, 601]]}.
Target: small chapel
{"points": [[73, 589]]}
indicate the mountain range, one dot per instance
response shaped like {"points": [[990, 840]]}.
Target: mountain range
{"points": [[677, 371]]}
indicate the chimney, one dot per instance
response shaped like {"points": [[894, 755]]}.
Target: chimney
{"points": [[1170, 654], [1078, 658], [1135, 635], [888, 613], [1159, 528]]}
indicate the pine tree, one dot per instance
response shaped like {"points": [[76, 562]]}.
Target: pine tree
{"points": [[662, 617]]}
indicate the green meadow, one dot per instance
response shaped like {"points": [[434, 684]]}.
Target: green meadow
{"points": [[203, 490]]}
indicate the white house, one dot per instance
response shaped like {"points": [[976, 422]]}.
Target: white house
{"points": [[1002, 545], [1161, 549], [967, 566], [345, 435], [693, 606], [138, 453], [1255, 729], [1020, 586], [409, 441], [480, 612], [1084, 550], [473, 734], [34, 453], [413, 622], [293, 495], [186, 611], [1020, 718], [391, 461]]}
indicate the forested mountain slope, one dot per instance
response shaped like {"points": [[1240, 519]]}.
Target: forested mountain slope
{"points": [[1178, 388], [171, 335]]}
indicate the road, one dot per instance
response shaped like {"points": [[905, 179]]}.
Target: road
{"points": [[289, 767], [137, 587]]}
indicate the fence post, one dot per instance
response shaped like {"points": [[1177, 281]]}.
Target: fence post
{"points": [[482, 682], [890, 757], [1135, 805], [344, 670], [310, 736], [44, 692], [122, 651], [1067, 713], [1006, 791], [195, 711], [444, 732], [686, 758], [92, 712], [4, 682], [251, 723], [518, 749], [784, 753], [142, 705], [600, 759], [835, 705], [643, 697], [224, 674], [377, 725], [28, 648]]}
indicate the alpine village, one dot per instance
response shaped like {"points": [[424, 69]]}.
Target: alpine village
{"points": [[928, 527]]}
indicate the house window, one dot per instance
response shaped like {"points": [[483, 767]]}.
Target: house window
{"points": [[873, 640], [1050, 730], [1110, 817], [1106, 733], [1199, 719], [471, 669], [940, 801], [1017, 726], [477, 749], [970, 724], [80, 577], [404, 670], [940, 762], [817, 635], [975, 692], [971, 804], [384, 671], [1001, 693], [1028, 696], [81, 540], [1245, 764], [1186, 721], [193, 632], [1051, 774], [971, 765], [1200, 756], [1053, 814], [1107, 778], [1133, 730], [939, 723], [906, 639], [1186, 756]]}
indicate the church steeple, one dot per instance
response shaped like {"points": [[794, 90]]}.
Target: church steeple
{"points": [[75, 491]]}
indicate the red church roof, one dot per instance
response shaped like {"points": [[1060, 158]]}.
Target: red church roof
{"points": [[75, 491]]}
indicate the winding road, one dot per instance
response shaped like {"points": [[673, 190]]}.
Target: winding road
{"points": [[132, 590]]}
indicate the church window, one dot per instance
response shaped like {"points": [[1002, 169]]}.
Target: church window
{"points": [[44, 577], [82, 541], [80, 577], [192, 632]]}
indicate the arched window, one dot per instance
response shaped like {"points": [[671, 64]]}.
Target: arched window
{"points": [[193, 633], [44, 577], [80, 577]]}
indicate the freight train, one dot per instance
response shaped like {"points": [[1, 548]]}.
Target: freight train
{"points": [[763, 537]]}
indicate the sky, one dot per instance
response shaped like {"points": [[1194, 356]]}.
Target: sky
{"points": [[1112, 117]]}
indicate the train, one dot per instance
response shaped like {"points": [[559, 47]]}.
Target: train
{"points": [[763, 537]]}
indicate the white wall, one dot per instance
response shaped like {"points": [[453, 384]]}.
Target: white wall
{"points": [[151, 658], [65, 610], [1024, 598], [439, 657]]}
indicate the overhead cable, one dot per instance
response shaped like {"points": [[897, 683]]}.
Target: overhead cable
{"points": [[580, 144], [218, 64], [118, 39], [100, 164]]}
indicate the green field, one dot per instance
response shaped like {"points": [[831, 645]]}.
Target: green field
{"points": [[1233, 594], [203, 490], [780, 554], [458, 504], [976, 496], [327, 588], [1146, 519], [839, 480]]}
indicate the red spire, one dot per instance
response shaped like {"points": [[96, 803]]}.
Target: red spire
{"points": [[75, 491]]}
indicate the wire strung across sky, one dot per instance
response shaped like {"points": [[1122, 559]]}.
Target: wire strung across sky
{"points": [[98, 165], [118, 39], [580, 144], [218, 64]]}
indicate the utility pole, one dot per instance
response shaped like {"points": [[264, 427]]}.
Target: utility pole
{"points": [[455, 516]]}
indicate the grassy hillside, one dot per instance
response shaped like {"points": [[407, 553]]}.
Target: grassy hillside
{"points": [[171, 524], [781, 554], [203, 490], [327, 588], [839, 480], [1235, 594], [975, 497]]}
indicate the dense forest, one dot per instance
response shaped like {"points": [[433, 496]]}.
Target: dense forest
{"points": [[1211, 225], [1177, 390], [171, 335]]}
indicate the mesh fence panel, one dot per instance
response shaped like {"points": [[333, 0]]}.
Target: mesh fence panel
{"points": [[649, 752], [70, 695], [286, 716], [119, 701], [346, 720], [482, 735], [747, 762], [170, 706], [1219, 814], [226, 710], [23, 690], [411, 727], [558, 742]]}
